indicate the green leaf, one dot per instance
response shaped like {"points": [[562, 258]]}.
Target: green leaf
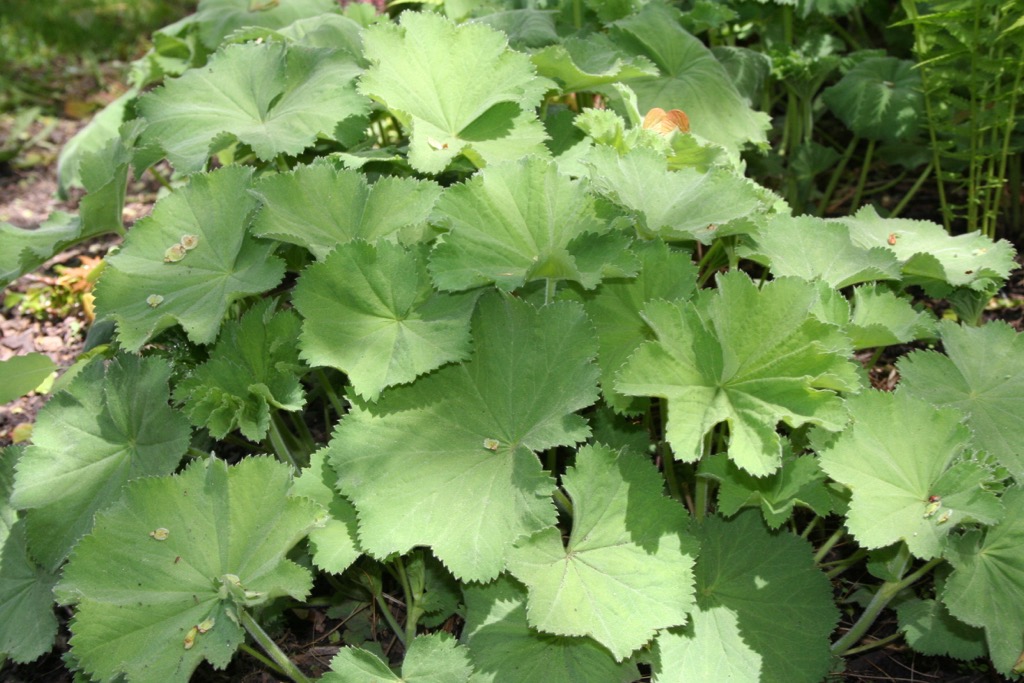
{"points": [[627, 569], [745, 592], [145, 293], [747, 357], [112, 425], [458, 88], [816, 249], [929, 256], [370, 311], [175, 552], [104, 174], [930, 629], [448, 462], [275, 99], [898, 453], [982, 375], [434, 658], [880, 318], [674, 205], [504, 649], [28, 625], [578, 64], [345, 207], [523, 221], [253, 369], [94, 137], [22, 374], [25, 250], [334, 546], [218, 18], [615, 308], [8, 514], [799, 481], [987, 586], [691, 79], [879, 99], [694, 654]]}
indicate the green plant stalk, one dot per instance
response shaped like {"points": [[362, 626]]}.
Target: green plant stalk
{"points": [[837, 172], [270, 647], [844, 564], [886, 592], [393, 624], [261, 658], [859, 194], [828, 545], [550, 284], [329, 392], [668, 463], [563, 500], [898, 209], [1008, 128], [882, 642], [279, 446], [412, 601]]}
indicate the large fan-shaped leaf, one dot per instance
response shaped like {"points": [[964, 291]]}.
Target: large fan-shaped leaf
{"points": [[691, 79], [179, 553], [627, 569], [458, 87], [982, 374], [750, 358], [674, 205], [750, 611], [111, 425], [902, 459], [274, 98], [154, 282], [522, 221], [319, 207], [434, 658], [447, 461], [879, 99], [371, 312], [987, 587], [504, 649]]}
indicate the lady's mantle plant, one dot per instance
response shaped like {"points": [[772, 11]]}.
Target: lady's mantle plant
{"points": [[594, 408]]}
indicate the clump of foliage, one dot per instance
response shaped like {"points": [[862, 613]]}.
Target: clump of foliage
{"points": [[593, 406]]}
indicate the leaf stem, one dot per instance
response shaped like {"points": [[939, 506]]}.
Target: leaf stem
{"points": [[827, 545], [549, 290], [393, 624], [563, 500], [412, 599], [262, 659], [328, 390], [886, 592], [668, 465], [280, 447], [288, 668]]}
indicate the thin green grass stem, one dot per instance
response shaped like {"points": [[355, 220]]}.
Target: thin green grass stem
{"points": [[913, 190], [833, 181], [858, 196]]}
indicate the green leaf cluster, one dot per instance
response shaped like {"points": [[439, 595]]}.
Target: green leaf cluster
{"points": [[420, 332]]}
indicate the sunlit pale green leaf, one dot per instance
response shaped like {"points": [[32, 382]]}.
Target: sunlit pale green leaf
{"points": [[674, 205], [578, 64], [987, 587], [334, 546], [448, 461], [523, 221], [146, 291], [880, 318], [504, 649], [750, 358], [179, 551], [691, 79], [274, 98], [745, 590], [434, 658], [113, 424], [903, 460], [319, 207], [930, 256], [253, 369], [458, 88], [982, 375], [627, 568], [370, 311], [815, 249]]}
